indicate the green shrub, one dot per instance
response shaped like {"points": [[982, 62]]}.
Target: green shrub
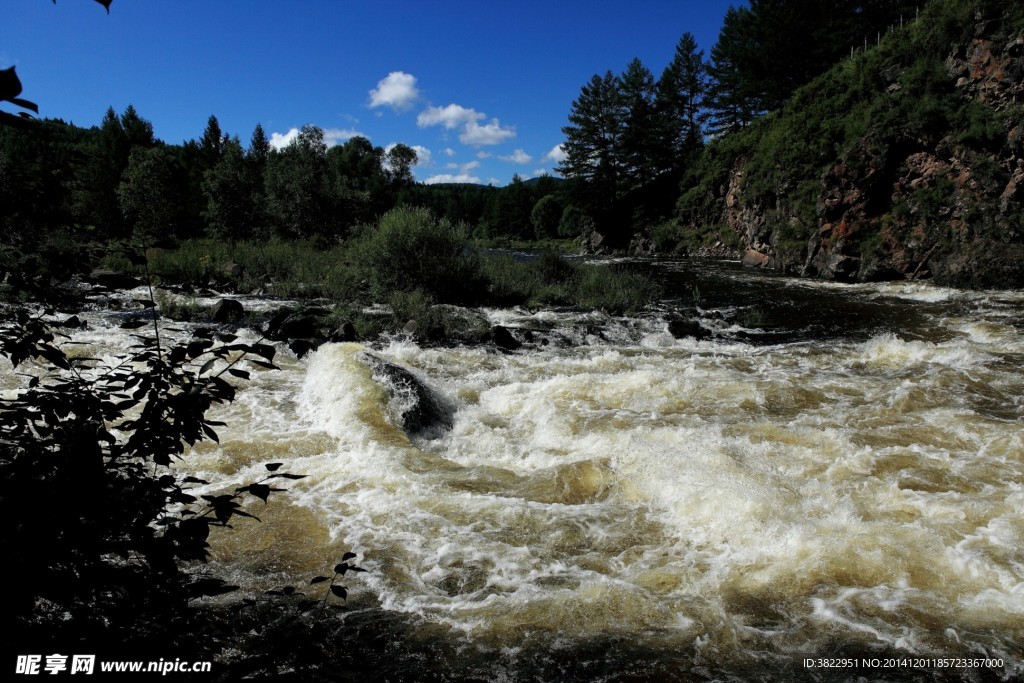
{"points": [[410, 250]]}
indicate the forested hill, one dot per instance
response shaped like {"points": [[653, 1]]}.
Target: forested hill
{"points": [[905, 159]]}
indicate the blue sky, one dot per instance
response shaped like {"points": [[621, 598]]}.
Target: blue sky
{"points": [[480, 89]]}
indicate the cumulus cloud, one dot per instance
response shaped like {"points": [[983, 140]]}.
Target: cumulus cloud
{"points": [[483, 155], [448, 152], [336, 136], [282, 140], [332, 137], [396, 90], [491, 134], [467, 120], [517, 157], [451, 116], [557, 154], [540, 172], [449, 178]]}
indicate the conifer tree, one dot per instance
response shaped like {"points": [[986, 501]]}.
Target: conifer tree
{"points": [[679, 102], [640, 145]]}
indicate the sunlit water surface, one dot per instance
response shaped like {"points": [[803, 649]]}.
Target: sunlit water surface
{"points": [[834, 471]]}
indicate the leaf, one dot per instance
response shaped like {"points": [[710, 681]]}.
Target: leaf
{"points": [[288, 590], [194, 480], [105, 3], [210, 433], [238, 373], [264, 350], [268, 366], [318, 579], [10, 85], [340, 591], [273, 466], [261, 491], [341, 568], [25, 104], [287, 475], [206, 366], [348, 556]]}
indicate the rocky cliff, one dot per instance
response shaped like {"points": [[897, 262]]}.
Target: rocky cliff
{"points": [[926, 176]]}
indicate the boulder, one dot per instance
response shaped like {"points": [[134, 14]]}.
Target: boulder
{"points": [[227, 310], [419, 407], [110, 279], [680, 328], [503, 338], [345, 332], [755, 259], [462, 324]]}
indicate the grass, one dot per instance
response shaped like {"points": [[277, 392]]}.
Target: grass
{"points": [[301, 269], [409, 259], [550, 280]]}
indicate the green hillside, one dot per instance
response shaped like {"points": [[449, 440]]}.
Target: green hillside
{"points": [[904, 160]]}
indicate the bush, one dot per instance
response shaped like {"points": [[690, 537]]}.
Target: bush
{"points": [[97, 522], [410, 250]]}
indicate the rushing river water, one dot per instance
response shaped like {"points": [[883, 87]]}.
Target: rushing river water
{"points": [[834, 471]]}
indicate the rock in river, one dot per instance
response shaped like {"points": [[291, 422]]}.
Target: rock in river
{"points": [[421, 409]]}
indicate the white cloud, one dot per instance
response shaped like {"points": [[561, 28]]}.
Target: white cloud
{"points": [[451, 116], [493, 181], [491, 134], [463, 168], [483, 155], [336, 136], [449, 178], [332, 137], [397, 90], [448, 152], [422, 155], [557, 154], [282, 140], [468, 120], [517, 157], [540, 172]]}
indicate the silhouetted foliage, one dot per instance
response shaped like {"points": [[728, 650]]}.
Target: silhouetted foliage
{"points": [[99, 523]]}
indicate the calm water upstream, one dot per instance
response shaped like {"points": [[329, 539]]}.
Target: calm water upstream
{"points": [[835, 471]]}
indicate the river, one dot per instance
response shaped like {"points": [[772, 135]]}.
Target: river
{"points": [[833, 471]]}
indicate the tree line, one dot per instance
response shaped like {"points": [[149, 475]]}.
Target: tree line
{"points": [[116, 181]]}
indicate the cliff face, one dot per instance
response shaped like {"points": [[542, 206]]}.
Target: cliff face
{"points": [[930, 186]]}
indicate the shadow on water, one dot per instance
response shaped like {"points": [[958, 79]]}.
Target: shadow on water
{"points": [[758, 307]]}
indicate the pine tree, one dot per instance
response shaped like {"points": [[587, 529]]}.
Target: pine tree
{"points": [[734, 97], [138, 130], [593, 138], [211, 145], [679, 101], [640, 145]]}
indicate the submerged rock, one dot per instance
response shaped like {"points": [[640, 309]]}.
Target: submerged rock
{"points": [[419, 407], [227, 310]]}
